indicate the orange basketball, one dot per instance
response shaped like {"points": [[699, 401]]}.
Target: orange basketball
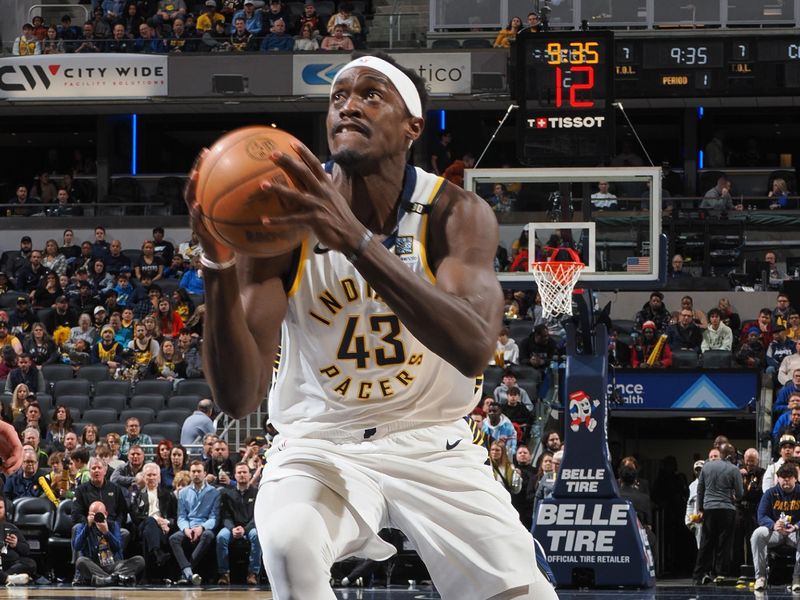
{"points": [[231, 201]]}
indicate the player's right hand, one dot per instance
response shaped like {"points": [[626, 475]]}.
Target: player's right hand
{"points": [[215, 251], [10, 448]]}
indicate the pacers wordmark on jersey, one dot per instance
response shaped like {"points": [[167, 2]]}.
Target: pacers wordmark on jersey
{"points": [[347, 362]]}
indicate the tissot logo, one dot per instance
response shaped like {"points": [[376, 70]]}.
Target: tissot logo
{"points": [[566, 122]]}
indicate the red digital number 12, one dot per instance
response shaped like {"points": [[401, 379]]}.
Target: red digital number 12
{"points": [[575, 87]]}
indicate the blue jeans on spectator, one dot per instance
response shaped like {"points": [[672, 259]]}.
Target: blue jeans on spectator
{"points": [[224, 538]]}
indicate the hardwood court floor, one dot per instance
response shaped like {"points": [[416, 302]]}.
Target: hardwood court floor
{"points": [[664, 591]]}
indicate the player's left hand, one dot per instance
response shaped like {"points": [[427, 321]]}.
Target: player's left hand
{"points": [[316, 203], [10, 448]]}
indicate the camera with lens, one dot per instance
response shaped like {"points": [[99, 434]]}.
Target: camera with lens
{"points": [[99, 518]]}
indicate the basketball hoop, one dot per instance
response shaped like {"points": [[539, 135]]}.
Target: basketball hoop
{"points": [[556, 280]]}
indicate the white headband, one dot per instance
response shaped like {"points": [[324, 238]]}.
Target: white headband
{"points": [[401, 81]]}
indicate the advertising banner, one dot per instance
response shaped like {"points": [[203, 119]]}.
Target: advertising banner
{"points": [[675, 389], [444, 72], [83, 76]]}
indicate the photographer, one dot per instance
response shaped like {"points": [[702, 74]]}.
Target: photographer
{"points": [[99, 543], [16, 568]]}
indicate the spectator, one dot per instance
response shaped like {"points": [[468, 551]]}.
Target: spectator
{"points": [[692, 518], [506, 352], [51, 43], [9, 340], [84, 331], [31, 436], [89, 43], [717, 201], [619, 354], [698, 316], [21, 200], [764, 325], [751, 354], [209, 17], [44, 191], [148, 42], [310, 17], [44, 296], [508, 381], [778, 505], [647, 347], [169, 10], [538, 349], [25, 482], [114, 9], [746, 517], [208, 443], [102, 27], [253, 21], [440, 153], [60, 425], [155, 515], [789, 364], [718, 487], [793, 328], [785, 451], [516, 411], [198, 514], [124, 289], [337, 41], [792, 427], [134, 437], [779, 194], [115, 260], [29, 276], [548, 481], [60, 321], [192, 280], [508, 34], [503, 469], [177, 462], [775, 275], [98, 540], [16, 566], [523, 500], [80, 462], [455, 172], [276, 12], [107, 350], [685, 335], [552, 441], [717, 336], [639, 500], [199, 423], [779, 349], [534, 23], [25, 373], [20, 399], [346, 18], [27, 44], [236, 512], [499, 428], [654, 311], [306, 42], [219, 466], [85, 302], [175, 269], [148, 263], [89, 441], [782, 310], [67, 30], [676, 269], [129, 476], [162, 248], [602, 198]]}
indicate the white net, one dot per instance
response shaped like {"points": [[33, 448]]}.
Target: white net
{"points": [[556, 280]]}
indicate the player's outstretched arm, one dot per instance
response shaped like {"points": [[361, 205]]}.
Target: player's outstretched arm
{"points": [[245, 306]]}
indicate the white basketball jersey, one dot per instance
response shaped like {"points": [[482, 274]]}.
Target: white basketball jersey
{"points": [[347, 363]]}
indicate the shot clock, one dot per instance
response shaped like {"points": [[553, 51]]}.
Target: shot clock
{"points": [[563, 84]]}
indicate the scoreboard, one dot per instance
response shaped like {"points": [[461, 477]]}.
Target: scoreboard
{"points": [[698, 67], [564, 86]]}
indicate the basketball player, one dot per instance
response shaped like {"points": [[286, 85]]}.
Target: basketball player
{"points": [[387, 313]]}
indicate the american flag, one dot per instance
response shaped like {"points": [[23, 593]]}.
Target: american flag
{"points": [[638, 264]]}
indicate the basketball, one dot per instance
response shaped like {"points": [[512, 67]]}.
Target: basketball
{"points": [[231, 200]]}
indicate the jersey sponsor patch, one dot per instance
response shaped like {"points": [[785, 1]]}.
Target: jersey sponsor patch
{"points": [[404, 244]]}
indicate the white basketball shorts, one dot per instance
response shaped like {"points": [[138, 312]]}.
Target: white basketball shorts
{"points": [[432, 484]]}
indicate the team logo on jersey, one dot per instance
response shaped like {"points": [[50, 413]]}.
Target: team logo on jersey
{"points": [[404, 245], [581, 407]]}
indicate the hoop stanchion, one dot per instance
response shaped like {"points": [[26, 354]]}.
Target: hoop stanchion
{"points": [[556, 280]]}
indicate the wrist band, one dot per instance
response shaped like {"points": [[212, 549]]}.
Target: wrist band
{"points": [[215, 266], [362, 245]]}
